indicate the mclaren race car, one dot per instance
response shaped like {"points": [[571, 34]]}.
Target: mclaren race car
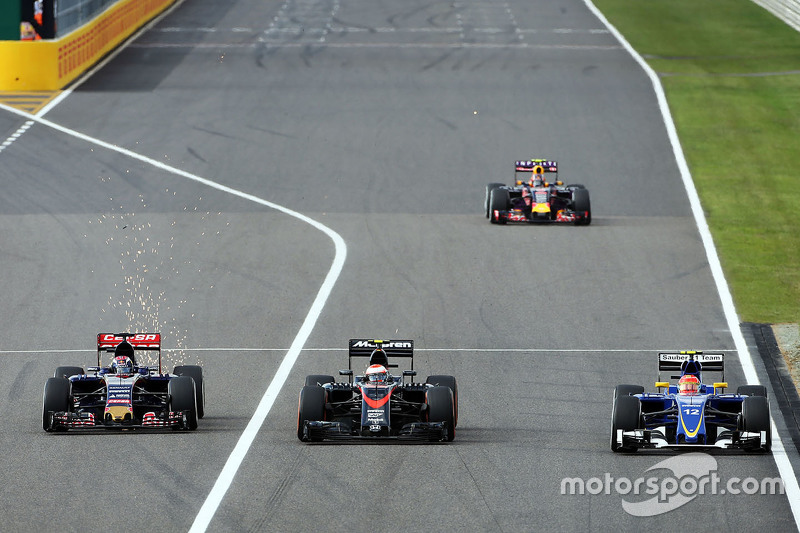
{"points": [[125, 394], [690, 413], [378, 405], [537, 196]]}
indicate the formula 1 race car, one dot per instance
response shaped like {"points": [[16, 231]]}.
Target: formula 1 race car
{"points": [[378, 405], [691, 413], [537, 196], [124, 394]]}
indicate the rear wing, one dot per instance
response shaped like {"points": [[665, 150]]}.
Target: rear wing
{"points": [[108, 342], [536, 166], [396, 348], [678, 363]]}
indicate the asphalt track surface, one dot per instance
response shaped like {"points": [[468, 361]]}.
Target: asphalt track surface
{"points": [[383, 121]]}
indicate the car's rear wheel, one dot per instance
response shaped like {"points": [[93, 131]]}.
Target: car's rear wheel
{"points": [[317, 380], [452, 384], [626, 416], [67, 371], [441, 409], [489, 188], [310, 407], [755, 417], [182, 398], [499, 200], [55, 399], [196, 373], [752, 390]]}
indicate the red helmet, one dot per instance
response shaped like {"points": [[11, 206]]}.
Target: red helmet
{"points": [[688, 384], [122, 365], [377, 374]]}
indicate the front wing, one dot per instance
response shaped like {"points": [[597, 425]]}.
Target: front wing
{"points": [[654, 439], [421, 431], [63, 421]]}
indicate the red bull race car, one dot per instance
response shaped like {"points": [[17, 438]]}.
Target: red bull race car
{"points": [[378, 405], [690, 413], [125, 394], [537, 196]]}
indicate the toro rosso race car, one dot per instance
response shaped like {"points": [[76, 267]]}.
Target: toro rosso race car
{"points": [[537, 196], [690, 413], [124, 394], [378, 405]]}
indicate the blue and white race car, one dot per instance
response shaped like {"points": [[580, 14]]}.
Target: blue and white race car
{"points": [[690, 413]]}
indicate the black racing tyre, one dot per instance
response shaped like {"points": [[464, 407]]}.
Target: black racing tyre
{"points": [[317, 380], [627, 390], [182, 397], [67, 371], [447, 381], [576, 186], [441, 409], [56, 398], [499, 200], [489, 188], [310, 406], [196, 373], [752, 390], [755, 417], [581, 204], [626, 416]]}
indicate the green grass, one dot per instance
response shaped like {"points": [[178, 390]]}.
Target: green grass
{"points": [[731, 73]]}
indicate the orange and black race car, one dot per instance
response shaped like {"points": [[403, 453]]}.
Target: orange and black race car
{"points": [[537, 196], [377, 404]]}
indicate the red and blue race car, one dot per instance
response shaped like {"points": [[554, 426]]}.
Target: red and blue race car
{"points": [[690, 413], [377, 404], [537, 196], [124, 394]]}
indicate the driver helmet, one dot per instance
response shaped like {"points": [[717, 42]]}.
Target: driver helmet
{"points": [[688, 384], [122, 365], [377, 374]]}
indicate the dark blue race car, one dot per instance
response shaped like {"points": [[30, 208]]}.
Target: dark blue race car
{"points": [[690, 413]]}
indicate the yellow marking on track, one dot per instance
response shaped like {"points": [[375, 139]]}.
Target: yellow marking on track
{"points": [[29, 101]]}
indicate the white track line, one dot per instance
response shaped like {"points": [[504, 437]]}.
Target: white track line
{"points": [[778, 451], [236, 457]]}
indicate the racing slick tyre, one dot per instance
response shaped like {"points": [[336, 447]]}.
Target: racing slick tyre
{"points": [[755, 417], [576, 186], [489, 188], [67, 371], [318, 380], [581, 204], [182, 397], [447, 381], [441, 409], [499, 200], [752, 390], [56, 399], [627, 390], [196, 373], [311, 406], [626, 416]]}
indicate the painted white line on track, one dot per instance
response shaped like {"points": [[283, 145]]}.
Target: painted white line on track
{"points": [[236, 457], [778, 451], [220, 488]]}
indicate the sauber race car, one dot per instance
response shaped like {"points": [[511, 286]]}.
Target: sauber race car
{"points": [[124, 394], [690, 413], [537, 196], [377, 404]]}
